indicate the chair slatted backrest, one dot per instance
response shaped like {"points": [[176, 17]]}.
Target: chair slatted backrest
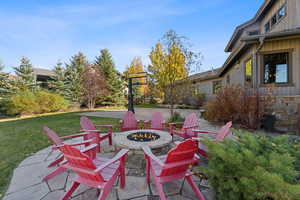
{"points": [[191, 122], [129, 121], [223, 132], [80, 163], [157, 121], [183, 155], [52, 136], [87, 124]]}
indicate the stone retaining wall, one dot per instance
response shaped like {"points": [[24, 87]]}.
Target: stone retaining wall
{"points": [[286, 109]]}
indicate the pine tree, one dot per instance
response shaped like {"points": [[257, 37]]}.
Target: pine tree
{"points": [[73, 78], [4, 82], [57, 85], [114, 84], [25, 75]]}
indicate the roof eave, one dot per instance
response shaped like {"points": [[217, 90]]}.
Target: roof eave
{"points": [[240, 28], [294, 32]]}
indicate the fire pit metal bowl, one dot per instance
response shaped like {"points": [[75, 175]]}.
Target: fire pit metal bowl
{"points": [[136, 139], [143, 136]]}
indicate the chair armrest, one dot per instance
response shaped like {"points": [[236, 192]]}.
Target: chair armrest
{"points": [[204, 132], [90, 150], [95, 130], [149, 154], [74, 135], [117, 157], [181, 163], [84, 142]]}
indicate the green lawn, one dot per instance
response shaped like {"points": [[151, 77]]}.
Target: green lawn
{"points": [[22, 137]]}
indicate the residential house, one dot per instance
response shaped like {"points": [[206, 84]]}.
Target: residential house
{"points": [[42, 76], [264, 52]]}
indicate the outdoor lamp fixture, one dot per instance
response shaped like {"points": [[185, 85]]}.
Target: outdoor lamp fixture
{"points": [[130, 79]]}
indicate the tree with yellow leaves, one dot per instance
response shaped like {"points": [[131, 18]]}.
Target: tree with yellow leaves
{"points": [[136, 67], [171, 61]]}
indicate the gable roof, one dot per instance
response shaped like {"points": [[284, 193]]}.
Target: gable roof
{"points": [[43, 72], [239, 30], [207, 75]]}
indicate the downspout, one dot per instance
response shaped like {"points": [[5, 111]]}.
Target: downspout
{"points": [[261, 43]]}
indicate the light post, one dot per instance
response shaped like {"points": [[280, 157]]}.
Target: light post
{"points": [[130, 87]]}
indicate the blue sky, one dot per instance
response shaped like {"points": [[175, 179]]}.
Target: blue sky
{"points": [[50, 30]]}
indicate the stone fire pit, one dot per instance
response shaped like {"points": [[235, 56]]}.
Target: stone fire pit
{"points": [[136, 139]]}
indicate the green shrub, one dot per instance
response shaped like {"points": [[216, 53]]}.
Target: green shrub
{"points": [[254, 168], [22, 103], [38, 102], [50, 102]]}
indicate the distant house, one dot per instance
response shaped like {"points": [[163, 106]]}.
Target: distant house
{"points": [[264, 51], [42, 76]]}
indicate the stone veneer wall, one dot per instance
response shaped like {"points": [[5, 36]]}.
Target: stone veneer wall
{"points": [[286, 109]]}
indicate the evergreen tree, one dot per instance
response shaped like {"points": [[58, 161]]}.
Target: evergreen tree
{"points": [[4, 82], [114, 84], [73, 78], [58, 83], [25, 75]]}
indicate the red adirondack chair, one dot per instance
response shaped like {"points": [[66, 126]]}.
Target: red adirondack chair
{"points": [[217, 136], [99, 173], [129, 122], [88, 127], [57, 141], [156, 122], [173, 166], [190, 123]]}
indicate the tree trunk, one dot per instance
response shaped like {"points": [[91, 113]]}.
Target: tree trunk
{"points": [[171, 101]]}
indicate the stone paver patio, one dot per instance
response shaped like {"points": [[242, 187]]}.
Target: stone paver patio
{"points": [[26, 182]]}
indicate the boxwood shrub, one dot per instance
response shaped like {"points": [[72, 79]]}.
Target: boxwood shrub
{"points": [[37, 102]]}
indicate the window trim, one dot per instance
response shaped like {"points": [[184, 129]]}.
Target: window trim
{"points": [[277, 18], [245, 76], [290, 68], [285, 14]]}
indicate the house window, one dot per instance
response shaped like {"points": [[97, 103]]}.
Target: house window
{"points": [[281, 12], [267, 27], [216, 86], [248, 71], [276, 68], [274, 20]]}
